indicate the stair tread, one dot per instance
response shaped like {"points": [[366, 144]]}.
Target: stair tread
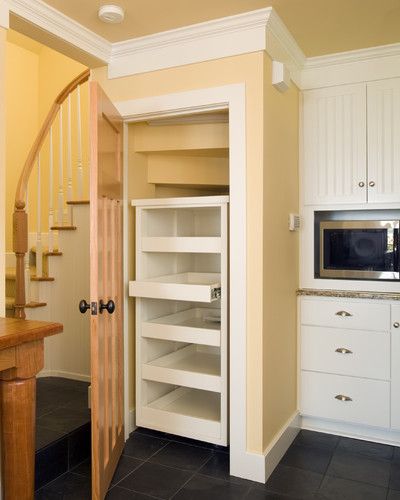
{"points": [[46, 252], [31, 305], [63, 228], [11, 275], [78, 202]]}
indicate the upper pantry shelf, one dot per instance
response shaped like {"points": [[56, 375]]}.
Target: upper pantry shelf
{"points": [[192, 201], [194, 287]]}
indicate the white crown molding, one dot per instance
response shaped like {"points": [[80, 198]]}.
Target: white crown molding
{"points": [[230, 36], [53, 21], [374, 63], [282, 47], [258, 30]]}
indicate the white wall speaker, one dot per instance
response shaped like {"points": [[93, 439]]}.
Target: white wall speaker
{"points": [[280, 76]]}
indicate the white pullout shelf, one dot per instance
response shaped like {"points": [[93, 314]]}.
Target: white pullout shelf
{"points": [[196, 287], [181, 343], [197, 325], [189, 367]]}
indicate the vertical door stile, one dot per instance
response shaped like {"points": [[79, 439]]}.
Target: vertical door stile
{"points": [[113, 377], [119, 300], [105, 323]]}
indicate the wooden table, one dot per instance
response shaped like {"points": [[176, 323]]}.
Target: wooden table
{"points": [[21, 358]]}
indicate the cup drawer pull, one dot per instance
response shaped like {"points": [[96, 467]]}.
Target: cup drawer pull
{"points": [[343, 350], [343, 314], [343, 398]]}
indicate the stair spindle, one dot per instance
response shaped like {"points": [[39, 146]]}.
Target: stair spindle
{"points": [[79, 131], [69, 156], [27, 271], [51, 193], [60, 219], [39, 245]]}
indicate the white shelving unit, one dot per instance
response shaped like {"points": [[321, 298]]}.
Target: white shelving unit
{"points": [[181, 291]]}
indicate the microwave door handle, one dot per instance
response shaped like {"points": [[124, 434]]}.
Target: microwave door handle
{"points": [[396, 256]]}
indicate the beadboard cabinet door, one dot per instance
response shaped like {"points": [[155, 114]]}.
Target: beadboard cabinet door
{"points": [[395, 385], [334, 145], [383, 104]]}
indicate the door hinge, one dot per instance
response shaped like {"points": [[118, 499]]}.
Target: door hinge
{"points": [[93, 308]]}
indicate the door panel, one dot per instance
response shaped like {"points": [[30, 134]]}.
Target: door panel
{"points": [[384, 141], [334, 124], [106, 285]]}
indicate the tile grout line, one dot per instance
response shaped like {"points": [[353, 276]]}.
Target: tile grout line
{"points": [[192, 476]]}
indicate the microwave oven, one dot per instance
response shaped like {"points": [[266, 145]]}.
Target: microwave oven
{"points": [[359, 249]]}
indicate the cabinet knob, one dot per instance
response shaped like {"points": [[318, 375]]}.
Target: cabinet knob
{"points": [[361, 184], [342, 397], [371, 184], [343, 350], [396, 324], [343, 314]]}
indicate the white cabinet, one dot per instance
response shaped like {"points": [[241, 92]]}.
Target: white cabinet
{"points": [[181, 291], [350, 362], [395, 389], [351, 144], [334, 148], [383, 99]]}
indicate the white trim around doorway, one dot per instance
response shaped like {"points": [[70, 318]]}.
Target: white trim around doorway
{"points": [[233, 98]]}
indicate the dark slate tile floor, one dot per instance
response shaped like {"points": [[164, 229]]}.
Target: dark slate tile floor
{"points": [[316, 466], [62, 427]]}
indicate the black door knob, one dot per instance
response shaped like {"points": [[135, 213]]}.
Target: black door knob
{"points": [[109, 307], [83, 306]]}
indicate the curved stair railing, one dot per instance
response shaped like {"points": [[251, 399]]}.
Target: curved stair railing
{"points": [[56, 217]]}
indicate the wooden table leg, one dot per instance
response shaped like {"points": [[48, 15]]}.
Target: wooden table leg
{"points": [[18, 415], [18, 410]]}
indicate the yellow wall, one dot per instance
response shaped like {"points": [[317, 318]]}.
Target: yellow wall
{"points": [[22, 92], [2, 169], [35, 75], [280, 255], [248, 69]]}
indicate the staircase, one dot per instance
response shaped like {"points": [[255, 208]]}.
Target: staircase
{"points": [[56, 156], [49, 273]]}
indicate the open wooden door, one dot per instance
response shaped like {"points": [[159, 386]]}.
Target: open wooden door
{"points": [[106, 289]]}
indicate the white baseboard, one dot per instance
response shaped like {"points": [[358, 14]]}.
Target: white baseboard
{"points": [[259, 466], [64, 374], [281, 442], [362, 432]]}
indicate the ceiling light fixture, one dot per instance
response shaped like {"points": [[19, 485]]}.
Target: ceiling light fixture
{"points": [[111, 14]]}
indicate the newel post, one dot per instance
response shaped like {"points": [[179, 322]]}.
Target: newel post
{"points": [[20, 247]]}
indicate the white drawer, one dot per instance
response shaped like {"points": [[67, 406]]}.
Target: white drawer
{"points": [[369, 404], [346, 352], [339, 313]]}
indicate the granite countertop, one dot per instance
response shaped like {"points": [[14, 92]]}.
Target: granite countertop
{"points": [[349, 294]]}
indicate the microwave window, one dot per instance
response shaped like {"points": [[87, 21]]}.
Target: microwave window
{"points": [[359, 249]]}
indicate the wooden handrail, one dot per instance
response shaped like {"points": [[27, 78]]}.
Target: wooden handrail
{"points": [[20, 219], [30, 161]]}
